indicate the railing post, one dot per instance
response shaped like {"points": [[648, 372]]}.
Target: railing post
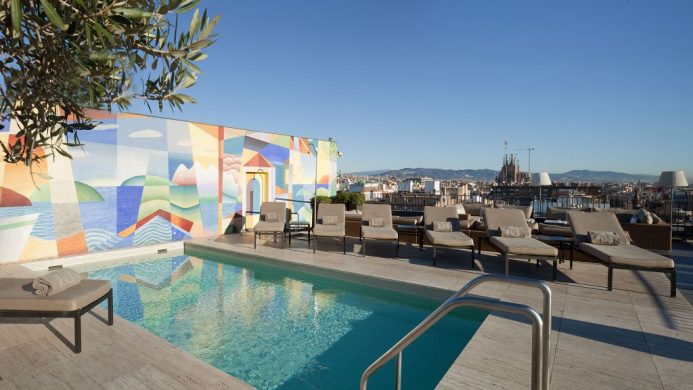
{"points": [[398, 370], [537, 352], [546, 339], [546, 314]]}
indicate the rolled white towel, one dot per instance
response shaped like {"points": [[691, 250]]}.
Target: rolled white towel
{"points": [[55, 281]]}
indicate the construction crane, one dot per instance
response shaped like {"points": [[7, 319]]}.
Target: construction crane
{"points": [[529, 161]]}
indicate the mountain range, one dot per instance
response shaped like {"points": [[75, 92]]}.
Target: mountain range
{"points": [[582, 175]]}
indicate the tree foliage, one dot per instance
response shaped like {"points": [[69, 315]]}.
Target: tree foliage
{"points": [[350, 199], [58, 56]]}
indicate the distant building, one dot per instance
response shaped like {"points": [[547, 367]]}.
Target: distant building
{"points": [[356, 187], [455, 194], [407, 185], [510, 173], [432, 187]]}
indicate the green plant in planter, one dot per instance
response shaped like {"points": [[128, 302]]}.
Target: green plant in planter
{"points": [[357, 199], [350, 199], [322, 199]]}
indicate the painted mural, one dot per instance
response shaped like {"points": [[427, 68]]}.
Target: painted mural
{"points": [[142, 180]]}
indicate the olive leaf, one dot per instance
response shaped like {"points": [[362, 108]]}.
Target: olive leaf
{"points": [[53, 14], [62, 56]]}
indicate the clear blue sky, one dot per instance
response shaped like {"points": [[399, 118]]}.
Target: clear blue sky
{"points": [[602, 85]]}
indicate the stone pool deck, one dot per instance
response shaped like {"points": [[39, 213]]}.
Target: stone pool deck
{"points": [[37, 354], [633, 337]]}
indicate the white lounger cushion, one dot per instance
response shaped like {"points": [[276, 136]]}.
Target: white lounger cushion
{"points": [[269, 227], [381, 211], [328, 211], [328, 230], [496, 218], [454, 239], [274, 210], [379, 233], [628, 255], [582, 223], [523, 246], [17, 294]]}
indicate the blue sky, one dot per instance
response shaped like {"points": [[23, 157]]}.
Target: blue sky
{"points": [[602, 85]]}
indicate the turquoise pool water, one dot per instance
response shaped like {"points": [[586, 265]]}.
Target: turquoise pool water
{"points": [[276, 328]]}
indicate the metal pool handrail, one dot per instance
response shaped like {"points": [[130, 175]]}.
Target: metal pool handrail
{"points": [[541, 328]]}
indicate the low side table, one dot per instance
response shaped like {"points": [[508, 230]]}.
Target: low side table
{"points": [[559, 241], [416, 231], [296, 227]]}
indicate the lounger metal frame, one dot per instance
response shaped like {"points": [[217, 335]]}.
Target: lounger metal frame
{"points": [[611, 267], [435, 251], [315, 242], [506, 257], [363, 239], [274, 234], [76, 314]]}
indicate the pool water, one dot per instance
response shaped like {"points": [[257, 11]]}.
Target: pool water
{"points": [[276, 328]]}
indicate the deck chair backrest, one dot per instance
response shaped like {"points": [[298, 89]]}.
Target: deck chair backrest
{"points": [[278, 208], [328, 209], [383, 211], [582, 222], [527, 210], [441, 214], [496, 218]]}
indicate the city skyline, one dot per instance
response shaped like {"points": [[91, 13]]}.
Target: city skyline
{"points": [[588, 85]]}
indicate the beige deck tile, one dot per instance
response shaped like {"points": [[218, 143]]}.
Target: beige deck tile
{"points": [[147, 377], [8, 385], [674, 373], [611, 362], [197, 374], [575, 377], [482, 366], [589, 310], [672, 352], [672, 319]]}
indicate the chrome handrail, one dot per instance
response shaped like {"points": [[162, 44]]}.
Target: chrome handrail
{"points": [[541, 329]]}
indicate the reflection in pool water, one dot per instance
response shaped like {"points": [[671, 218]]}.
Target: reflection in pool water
{"points": [[277, 328]]}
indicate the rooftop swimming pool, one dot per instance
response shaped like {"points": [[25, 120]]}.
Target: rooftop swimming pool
{"points": [[276, 328]]}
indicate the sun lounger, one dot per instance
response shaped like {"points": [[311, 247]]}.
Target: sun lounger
{"points": [[376, 224], [18, 299], [272, 221], [520, 245], [437, 221], [624, 255], [330, 223]]}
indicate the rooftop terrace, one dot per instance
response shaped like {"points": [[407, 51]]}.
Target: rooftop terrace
{"points": [[633, 337]]}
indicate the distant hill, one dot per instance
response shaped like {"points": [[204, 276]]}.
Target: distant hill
{"points": [[602, 176], [443, 174], [371, 173], [490, 174]]}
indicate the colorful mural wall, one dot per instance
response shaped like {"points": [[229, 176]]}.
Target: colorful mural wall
{"points": [[142, 180]]}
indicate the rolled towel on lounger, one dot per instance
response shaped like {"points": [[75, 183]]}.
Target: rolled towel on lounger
{"points": [[55, 281]]}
